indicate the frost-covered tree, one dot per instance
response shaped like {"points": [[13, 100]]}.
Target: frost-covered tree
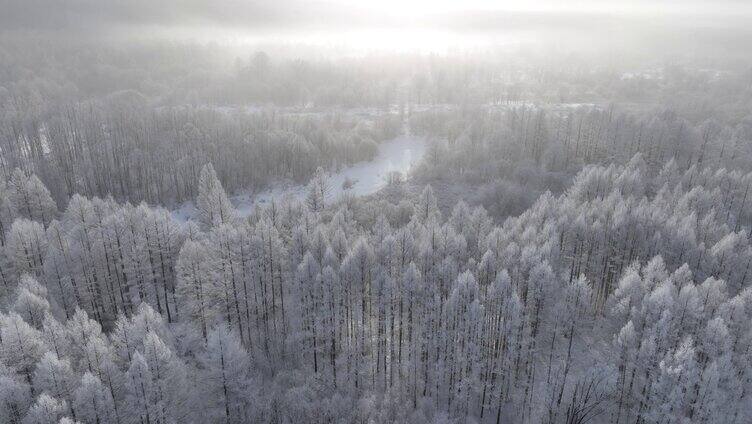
{"points": [[31, 301], [155, 383], [30, 199], [318, 190], [55, 377], [195, 284], [8, 213], [227, 374], [426, 207], [15, 396], [46, 410], [21, 346], [26, 243], [93, 402], [214, 207]]}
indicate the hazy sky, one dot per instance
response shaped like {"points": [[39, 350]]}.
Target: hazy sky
{"points": [[388, 23]]}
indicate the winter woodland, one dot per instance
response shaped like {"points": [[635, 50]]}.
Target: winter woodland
{"points": [[574, 246]]}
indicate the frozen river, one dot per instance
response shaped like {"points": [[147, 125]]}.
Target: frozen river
{"points": [[397, 155]]}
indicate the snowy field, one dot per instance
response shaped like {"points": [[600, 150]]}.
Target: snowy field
{"points": [[397, 155]]}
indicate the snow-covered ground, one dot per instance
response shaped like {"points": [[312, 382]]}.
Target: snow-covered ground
{"points": [[397, 155]]}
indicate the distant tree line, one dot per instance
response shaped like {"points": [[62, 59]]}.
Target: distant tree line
{"points": [[512, 155], [37, 74], [127, 150]]}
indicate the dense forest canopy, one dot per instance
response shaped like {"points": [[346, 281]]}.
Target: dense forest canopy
{"points": [[571, 243]]}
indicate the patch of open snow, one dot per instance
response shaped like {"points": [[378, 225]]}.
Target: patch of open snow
{"points": [[397, 155], [185, 212]]}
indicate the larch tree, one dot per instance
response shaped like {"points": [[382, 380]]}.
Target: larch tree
{"points": [[93, 402], [30, 198], [195, 279], [26, 244], [7, 211], [21, 346], [214, 207], [15, 397], [46, 410], [318, 191], [31, 301], [55, 377], [227, 373]]}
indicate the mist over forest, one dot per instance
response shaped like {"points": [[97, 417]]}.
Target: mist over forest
{"points": [[375, 212]]}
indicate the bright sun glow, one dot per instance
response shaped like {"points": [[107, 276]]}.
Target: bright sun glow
{"points": [[433, 25], [407, 40]]}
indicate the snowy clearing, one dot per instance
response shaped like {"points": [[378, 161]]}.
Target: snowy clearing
{"points": [[397, 155]]}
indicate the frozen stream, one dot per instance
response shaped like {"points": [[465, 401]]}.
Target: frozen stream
{"points": [[399, 154]]}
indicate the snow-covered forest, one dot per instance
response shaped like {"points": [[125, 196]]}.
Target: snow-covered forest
{"points": [[550, 235]]}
